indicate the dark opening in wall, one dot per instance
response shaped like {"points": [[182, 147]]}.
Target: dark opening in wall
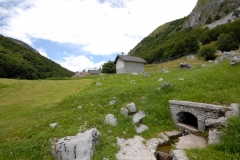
{"points": [[187, 118]]}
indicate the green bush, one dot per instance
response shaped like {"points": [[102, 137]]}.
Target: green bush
{"points": [[227, 42], [208, 52]]}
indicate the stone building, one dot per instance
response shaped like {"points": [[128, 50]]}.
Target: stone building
{"points": [[129, 64]]}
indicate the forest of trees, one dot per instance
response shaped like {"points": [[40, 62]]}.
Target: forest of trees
{"points": [[17, 61], [175, 41]]}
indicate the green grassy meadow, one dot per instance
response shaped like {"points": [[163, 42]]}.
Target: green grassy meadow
{"points": [[28, 107]]}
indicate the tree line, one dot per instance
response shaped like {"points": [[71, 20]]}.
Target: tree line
{"points": [[17, 61], [175, 41]]}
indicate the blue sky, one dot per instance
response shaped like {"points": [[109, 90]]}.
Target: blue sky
{"points": [[83, 34]]}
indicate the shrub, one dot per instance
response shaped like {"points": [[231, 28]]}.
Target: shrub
{"points": [[227, 42], [208, 52]]}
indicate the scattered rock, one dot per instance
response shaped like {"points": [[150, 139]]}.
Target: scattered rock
{"points": [[145, 74], [98, 84], [110, 119], [185, 65], [141, 128], [190, 57], [179, 155], [181, 79], [234, 111], [132, 107], [134, 73], [112, 102], [222, 121], [124, 111], [53, 125], [79, 147], [163, 136], [133, 149], [214, 136], [154, 143], [160, 79], [133, 81], [235, 60], [79, 107], [165, 85], [138, 117]]}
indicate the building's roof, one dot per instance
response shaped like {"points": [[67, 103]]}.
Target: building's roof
{"points": [[94, 71], [130, 59]]}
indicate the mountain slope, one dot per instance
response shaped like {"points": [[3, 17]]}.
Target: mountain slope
{"points": [[181, 36], [18, 60], [208, 11]]}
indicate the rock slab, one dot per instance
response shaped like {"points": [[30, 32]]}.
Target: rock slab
{"points": [[79, 147]]}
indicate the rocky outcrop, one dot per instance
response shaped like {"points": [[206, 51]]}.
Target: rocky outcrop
{"points": [[79, 147], [210, 10]]}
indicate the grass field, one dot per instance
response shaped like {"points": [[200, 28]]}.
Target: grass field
{"points": [[28, 107]]}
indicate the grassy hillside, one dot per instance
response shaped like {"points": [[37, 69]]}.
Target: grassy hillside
{"points": [[171, 40], [28, 107], [18, 60]]}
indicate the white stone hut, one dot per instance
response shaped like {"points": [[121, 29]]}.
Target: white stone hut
{"points": [[129, 64]]}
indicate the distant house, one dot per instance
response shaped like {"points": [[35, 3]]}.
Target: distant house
{"points": [[129, 64], [94, 72]]}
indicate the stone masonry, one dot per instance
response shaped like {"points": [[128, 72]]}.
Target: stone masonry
{"points": [[201, 111]]}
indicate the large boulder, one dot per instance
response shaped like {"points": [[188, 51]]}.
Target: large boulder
{"points": [[179, 155], [79, 147], [227, 55]]}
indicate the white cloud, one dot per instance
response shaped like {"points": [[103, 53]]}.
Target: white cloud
{"points": [[42, 52], [101, 28], [78, 63]]}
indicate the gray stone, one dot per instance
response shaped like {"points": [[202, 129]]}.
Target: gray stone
{"points": [[141, 128], [235, 60], [163, 156], [53, 125], [164, 137], [185, 65], [181, 79], [79, 147], [234, 110], [132, 107], [154, 143], [191, 141], [112, 102], [173, 134], [190, 57], [110, 119], [138, 117], [179, 155], [226, 55], [160, 79], [98, 84], [79, 107], [214, 136], [133, 149], [165, 85], [145, 74], [134, 73], [222, 121], [124, 111]]}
